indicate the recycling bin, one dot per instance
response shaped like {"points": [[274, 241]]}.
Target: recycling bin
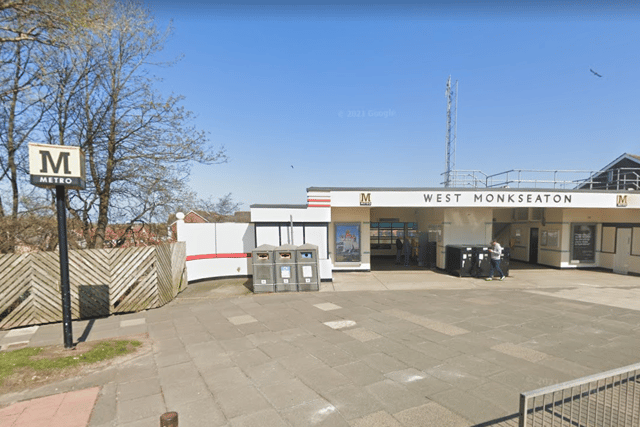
{"points": [[459, 260], [480, 261], [308, 267], [286, 277], [506, 260], [263, 272]]}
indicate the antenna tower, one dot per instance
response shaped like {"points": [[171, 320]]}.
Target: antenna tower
{"points": [[452, 130]]}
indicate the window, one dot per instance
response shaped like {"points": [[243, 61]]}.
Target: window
{"points": [[384, 234]]}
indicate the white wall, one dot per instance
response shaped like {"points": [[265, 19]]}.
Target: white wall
{"points": [[286, 214], [470, 226], [222, 249]]}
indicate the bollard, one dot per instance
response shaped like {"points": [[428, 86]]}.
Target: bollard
{"points": [[169, 419]]}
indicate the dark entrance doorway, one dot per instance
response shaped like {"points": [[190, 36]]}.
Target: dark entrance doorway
{"points": [[533, 246]]}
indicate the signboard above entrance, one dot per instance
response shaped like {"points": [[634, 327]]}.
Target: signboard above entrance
{"points": [[56, 165], [464, 198]]}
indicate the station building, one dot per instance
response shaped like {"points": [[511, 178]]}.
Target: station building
{"points": [[589, 226]]}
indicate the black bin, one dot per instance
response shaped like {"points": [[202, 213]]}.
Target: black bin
{"points": [[458, 260], [505, 264], [481, 261]]}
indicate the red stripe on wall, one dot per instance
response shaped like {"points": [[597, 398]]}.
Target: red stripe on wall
{"points": [[212, 256]]}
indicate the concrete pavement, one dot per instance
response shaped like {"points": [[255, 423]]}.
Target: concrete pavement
{"points": [[386, 348]]}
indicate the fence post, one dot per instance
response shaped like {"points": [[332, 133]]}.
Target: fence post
{"points": [[523, 411]]}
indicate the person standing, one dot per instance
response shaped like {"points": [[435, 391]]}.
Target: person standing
{"points": [[406, 249], [399, 250], [496, 253]]}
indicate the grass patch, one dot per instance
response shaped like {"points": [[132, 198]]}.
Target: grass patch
{"points": [[39, 362]]}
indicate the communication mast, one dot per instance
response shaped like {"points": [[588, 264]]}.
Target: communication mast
{"points": [[452, 130]]}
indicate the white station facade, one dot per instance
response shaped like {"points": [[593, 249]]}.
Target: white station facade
{"points": [[557, 228]]}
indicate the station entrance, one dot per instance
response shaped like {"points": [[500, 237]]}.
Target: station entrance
{"points": [[391, 229], [525, 232]]}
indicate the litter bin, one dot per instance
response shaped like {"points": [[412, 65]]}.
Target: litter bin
{"points": [[506, 260], [307, 267], [459, 260], [481, 261], [285, 268], [263, 279]]}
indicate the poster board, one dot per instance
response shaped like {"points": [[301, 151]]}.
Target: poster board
{"points": [[347, 242], [583, 243]]}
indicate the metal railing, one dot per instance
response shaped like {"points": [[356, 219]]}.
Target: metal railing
{"points": [[465, 178], [612, 179], [609, 399], [530, 178]]}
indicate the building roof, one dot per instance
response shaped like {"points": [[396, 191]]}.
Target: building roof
{"points": [[633, 157]]}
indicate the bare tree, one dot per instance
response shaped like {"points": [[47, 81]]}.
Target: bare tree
{"points": [[21, 109], [94, 91], [46, 21], [138, 144], [30, 31]]}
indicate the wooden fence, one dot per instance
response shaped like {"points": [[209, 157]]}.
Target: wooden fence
{"points": [[102, 281]]}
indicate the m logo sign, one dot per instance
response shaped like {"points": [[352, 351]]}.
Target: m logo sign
{"points": [[53, 165], [365, 199], [621, 201]]}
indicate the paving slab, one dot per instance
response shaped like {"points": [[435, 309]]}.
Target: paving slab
{"points": [[242, 400], [289, 393], [314, 413], [353, 402], [137, 409], [435, 350], [430, 414]]}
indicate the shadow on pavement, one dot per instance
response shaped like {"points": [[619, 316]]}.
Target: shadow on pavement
{"points": [[87, 330], [506, 421]]}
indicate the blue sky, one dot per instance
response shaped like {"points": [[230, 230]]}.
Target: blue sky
{"points": [[355, 95]]}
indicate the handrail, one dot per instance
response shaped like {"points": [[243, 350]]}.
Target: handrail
{"points": [[581, 381], [585, 401], [616, 179]]}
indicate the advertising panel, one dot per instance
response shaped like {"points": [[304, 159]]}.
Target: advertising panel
{"points": [[583, 243], [347, 243]]}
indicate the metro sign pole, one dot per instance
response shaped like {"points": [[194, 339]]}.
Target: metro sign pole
{"points": [[59, 166]]}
